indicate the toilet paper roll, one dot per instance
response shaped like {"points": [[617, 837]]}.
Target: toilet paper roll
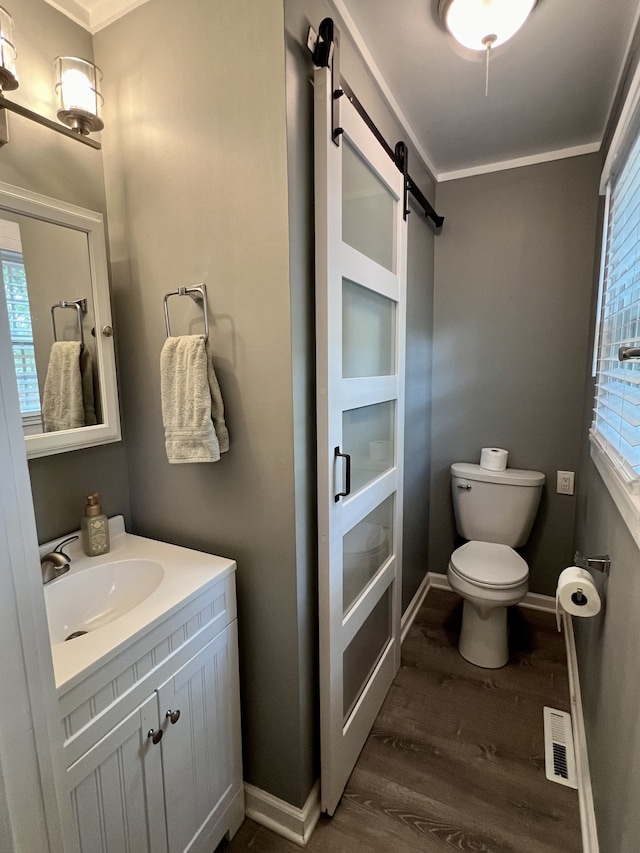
{"points": [[493, 458], [576, 594]]}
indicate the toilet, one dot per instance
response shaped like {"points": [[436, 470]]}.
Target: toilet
{"points": [[494, 511]]}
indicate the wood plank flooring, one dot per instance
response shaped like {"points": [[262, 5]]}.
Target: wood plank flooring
{"points": [[455, 760]]}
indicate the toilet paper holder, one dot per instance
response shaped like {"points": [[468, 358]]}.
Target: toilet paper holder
{"points": [[602, 563]]}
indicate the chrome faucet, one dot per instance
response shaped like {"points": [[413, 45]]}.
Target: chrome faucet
{"points": [[55, 563]]}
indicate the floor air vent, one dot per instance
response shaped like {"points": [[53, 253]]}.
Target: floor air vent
{"points": [[560, 761]]}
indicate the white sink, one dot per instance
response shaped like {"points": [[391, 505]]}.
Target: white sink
{"points": [[118, 597], [88, 600]]}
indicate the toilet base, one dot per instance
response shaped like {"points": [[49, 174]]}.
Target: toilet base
{"points": [[484, 641]]}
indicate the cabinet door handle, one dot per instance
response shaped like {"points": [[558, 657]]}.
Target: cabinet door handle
{"points": [[156, 736], [174, 716]]}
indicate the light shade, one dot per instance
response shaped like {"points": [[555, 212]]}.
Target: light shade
{"points": [[78, 90], [8, 76], [477, 23]]}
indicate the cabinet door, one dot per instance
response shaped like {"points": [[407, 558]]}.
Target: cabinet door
{"points": [[116, 789], [201, 750]]}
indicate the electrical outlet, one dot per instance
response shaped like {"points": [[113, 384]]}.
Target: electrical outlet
{"points": [[565, 482]]}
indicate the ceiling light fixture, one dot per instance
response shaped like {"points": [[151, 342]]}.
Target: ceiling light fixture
{"points": [[484, 24]]}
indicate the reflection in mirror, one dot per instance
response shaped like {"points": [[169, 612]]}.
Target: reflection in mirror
{"points": [[53, 270], [51, 323]]}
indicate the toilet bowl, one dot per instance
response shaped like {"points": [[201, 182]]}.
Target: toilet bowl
{"points": [[489, 577]]}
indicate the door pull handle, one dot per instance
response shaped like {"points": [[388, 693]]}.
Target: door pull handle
{"points": [[347, 474]]}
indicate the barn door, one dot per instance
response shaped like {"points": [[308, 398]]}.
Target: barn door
{"points": [[361, 310]]}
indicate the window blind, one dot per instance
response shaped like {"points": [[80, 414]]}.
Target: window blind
{"points": [[17, 298], [616, 421]]}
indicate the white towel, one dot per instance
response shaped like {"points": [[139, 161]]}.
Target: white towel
{"points": [[63, 405], [88, 395], [192, 408], [217, 407]]}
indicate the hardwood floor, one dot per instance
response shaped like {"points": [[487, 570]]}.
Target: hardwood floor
{"points": [[455, 760]]}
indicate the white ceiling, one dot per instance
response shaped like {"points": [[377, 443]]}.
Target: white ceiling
{"points": [[551, 86]]}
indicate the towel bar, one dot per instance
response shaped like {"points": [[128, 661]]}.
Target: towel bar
{"points": [[80, 305], [199, 295]]}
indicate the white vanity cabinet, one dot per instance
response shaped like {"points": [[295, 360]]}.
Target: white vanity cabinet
{"points": [[178, 686], [117, 789], [197, 754]]}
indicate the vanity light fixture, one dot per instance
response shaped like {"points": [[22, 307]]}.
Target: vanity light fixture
{"points": [[79, 98], [77, 88], [484, 24], [8, 77]]}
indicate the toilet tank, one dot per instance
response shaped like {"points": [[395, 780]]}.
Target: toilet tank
{"points": [[495, 506]]}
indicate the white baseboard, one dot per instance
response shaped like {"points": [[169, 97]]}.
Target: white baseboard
{"points": [[281, 817], [585, 793], [438, 581], [416, 603], [432, 580]]}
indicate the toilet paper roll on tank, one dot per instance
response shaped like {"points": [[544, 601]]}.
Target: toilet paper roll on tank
{"points": [[493, 458], [576, 594]]}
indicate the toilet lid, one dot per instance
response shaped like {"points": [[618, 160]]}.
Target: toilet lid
{"points": [[489, 564]]}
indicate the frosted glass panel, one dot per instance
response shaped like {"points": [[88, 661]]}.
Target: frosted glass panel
{"points": [[364, 652], [368, 437], [367, 210], [365, 548], [368, 332]]}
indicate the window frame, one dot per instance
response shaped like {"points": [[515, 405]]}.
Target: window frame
{"points": [[626, 132]]}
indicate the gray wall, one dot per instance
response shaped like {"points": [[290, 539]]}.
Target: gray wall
{"points": [[609, 669], [298, 17], [197, 191], [514, 272], [608, 661], [48, 163]]}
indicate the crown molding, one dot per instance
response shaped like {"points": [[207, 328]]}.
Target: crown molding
{"points": [[439, 177], [94, 16], [531, 160]]}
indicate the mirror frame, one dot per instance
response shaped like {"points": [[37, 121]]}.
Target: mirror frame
{"points": [[21, 201]]}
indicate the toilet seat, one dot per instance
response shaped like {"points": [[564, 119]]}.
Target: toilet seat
{"points": [[489, 565]]}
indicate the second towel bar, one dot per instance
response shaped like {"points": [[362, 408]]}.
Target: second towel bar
{"points": [[199, 295]]}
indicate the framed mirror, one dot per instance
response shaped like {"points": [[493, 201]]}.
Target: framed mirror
{"points": [[53, 267]]}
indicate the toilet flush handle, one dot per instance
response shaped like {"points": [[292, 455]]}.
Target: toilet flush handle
{"points": [[466, 486]]}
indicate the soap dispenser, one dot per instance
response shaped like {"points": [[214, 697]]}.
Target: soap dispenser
{"points": [[94, 527]]}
